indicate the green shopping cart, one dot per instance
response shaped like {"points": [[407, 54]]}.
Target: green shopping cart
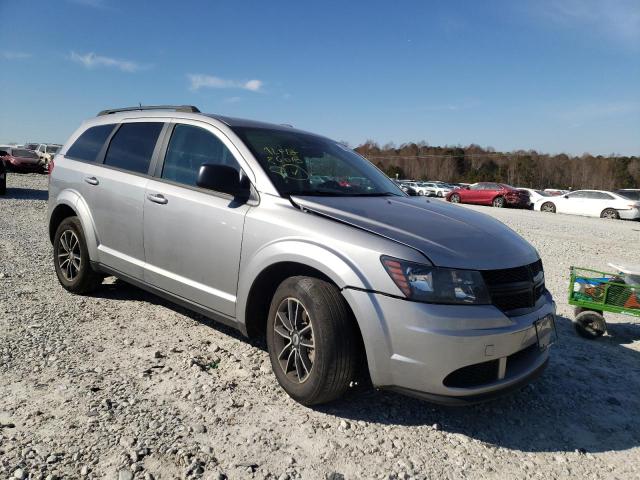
{"points": [[594, 292]]}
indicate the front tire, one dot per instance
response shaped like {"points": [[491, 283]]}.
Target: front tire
{"points": [[498, 202], [3, 183], [312, 340], [71, 258], [610, 213], [455, 198], [548, 207]]}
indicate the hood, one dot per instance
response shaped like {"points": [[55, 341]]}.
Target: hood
{"points": [[449, 235]]}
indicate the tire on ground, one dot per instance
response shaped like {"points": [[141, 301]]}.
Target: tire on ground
{"points": [[86, 279], [337, 350], [590, 324]]}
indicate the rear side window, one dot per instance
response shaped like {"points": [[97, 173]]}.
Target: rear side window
{"points": [[89, 144], [189, 148], [132, 146]]}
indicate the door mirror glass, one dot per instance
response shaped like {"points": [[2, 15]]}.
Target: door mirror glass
{"points": [[225, 179]]}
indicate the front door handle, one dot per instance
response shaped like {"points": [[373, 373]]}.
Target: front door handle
{"points": [[91, 180], [157, 198]]}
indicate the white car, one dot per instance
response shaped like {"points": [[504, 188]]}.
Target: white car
{"points": [[591, 203], [418, 187], [535, 195], [437, 189], [47, 151]]}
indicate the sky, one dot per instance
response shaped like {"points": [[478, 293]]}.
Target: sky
{"points": [[550, 75]]}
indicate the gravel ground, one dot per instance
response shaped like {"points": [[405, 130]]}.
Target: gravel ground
{"points": [[123, 385]]}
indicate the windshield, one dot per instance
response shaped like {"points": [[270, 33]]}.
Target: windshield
{"points": [[630, 194], [31, 146], [304, 164], [17, 152], [52, 149], [543, 193]]}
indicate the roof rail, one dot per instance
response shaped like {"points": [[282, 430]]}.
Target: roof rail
{"points": [[177, 108]]}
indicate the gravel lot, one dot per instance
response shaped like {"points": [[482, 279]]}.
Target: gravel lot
{"points": [[123, 385]]}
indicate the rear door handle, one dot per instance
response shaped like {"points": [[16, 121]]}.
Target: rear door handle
{"points": [[157, 198], [91, 180]]}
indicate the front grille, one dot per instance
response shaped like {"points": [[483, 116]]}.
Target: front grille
{"points": [[515, 288], [473, 375]]}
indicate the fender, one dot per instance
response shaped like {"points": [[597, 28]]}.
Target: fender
{"points": [[344, 273], [74, 200], [300, 250]]}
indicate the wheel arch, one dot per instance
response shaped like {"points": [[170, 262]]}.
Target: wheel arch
{"points": [[68, 204]]}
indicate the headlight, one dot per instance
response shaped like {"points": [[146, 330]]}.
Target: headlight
{"points": [[426, 283]]}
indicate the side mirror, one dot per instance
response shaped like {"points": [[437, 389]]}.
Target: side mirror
{"points": [[223, 178]]}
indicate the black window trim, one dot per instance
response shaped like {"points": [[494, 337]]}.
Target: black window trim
{"points": [[156, 173]]}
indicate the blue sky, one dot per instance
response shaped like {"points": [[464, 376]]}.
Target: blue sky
{"points": [[552, 75]]}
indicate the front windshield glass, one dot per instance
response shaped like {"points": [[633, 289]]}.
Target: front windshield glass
{"points": [[304, 164]]}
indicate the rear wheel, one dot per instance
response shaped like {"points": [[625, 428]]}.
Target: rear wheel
{"points": [[455, 198], [590, 324], [3, 182], [548, 207], [71, 258], [498, 202], [610, 213], [312, 340]]}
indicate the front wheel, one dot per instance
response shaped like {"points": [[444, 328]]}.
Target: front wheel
{"points": [[455, 198], [71, 258], [498, 202], [3, 183], [548, 207], [312, 340], [610, 213]]}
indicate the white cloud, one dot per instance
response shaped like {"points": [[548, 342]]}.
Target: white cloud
{"points": [[91, 60], [199, 81], [15, 55], [616, 19]]}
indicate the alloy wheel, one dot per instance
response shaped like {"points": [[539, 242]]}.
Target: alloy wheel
{"points": [[455, 198], [294, 340], [69, 255]]}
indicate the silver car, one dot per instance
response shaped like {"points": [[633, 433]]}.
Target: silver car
{"points": [[261, 227]]}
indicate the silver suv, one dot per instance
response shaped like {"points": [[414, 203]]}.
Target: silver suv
{"points": [[288, 234]]}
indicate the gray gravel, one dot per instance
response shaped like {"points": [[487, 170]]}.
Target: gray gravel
{"points": [[123, 385]]}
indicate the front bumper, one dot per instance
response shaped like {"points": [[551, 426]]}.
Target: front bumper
{"points": [[446, 353]]}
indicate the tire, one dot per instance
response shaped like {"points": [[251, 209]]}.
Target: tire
{"points": [[3, 183], [610, 213], [421, 193], [75, 277], [439, 195], [455, 198], [498, 202], [578, 310], [590, 324], [548, 207], [312, 376]]}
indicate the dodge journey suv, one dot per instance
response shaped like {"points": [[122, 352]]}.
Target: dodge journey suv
{"points": [[263, 228]]}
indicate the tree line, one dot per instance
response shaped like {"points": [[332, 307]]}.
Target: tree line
{"points": [[520, 168]]}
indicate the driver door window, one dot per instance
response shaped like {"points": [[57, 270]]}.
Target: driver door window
{"points": [[189, 148]]}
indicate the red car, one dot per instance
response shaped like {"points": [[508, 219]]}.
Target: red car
{"points": [[487, 193], [20, 160]]}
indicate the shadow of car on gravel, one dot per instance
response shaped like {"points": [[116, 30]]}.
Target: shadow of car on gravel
{"points": [[581, 402], [18, 193]]}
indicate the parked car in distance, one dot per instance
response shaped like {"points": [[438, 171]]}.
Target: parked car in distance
{"points": [[46, 151], [220, 215], [630, 193], [20, 160], [437, 189], [418, 187], [3, 173], [30, 146], [591, 203], [535, 195], [489, 193]]}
